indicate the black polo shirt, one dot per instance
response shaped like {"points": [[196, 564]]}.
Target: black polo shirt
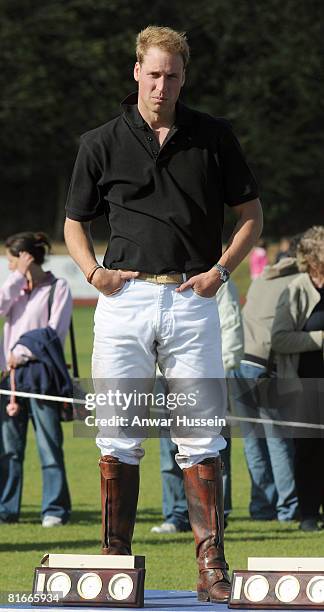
{"points": [[164, 205]]}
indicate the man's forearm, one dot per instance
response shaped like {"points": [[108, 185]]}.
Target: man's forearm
{"points": [[79, 243], [245, 235]]}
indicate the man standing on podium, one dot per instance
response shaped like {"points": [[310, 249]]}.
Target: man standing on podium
{"points": [[161, 173]]}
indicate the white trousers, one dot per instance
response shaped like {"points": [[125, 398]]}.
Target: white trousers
{"points": [[146, 324]]}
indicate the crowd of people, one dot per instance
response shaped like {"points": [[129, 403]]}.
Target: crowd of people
{"points": [[278, 334]]}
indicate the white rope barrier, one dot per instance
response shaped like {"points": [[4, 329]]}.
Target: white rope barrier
{"points": [[271, 422], [51, 398]]}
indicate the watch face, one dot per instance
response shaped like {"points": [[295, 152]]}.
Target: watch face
{"points": [[120, 586], [224, 276], [256, 588], [315, 589], [89, 585], [59, 583], [287, 589]]}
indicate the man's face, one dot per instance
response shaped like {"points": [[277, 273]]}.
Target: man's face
{"points": [[160, 78]]}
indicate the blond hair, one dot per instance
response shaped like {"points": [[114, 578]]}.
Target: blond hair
{"points": [[163, 38], [310, 250]]}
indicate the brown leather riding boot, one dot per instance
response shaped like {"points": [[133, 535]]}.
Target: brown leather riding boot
{"points": [[119, 494], [204, 490]]}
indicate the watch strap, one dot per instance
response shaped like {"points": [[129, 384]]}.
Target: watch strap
{"points": [[223, 272]]}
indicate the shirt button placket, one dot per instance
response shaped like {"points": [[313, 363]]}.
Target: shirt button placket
{"points": [[150, 140]]}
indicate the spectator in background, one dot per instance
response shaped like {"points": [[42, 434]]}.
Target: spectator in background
{"points": [[297, 339], [258, 259], [268, 454], [24, 303], [174, 503], [284, 248]]}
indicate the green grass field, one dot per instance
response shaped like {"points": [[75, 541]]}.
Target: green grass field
{"points": [[170, 560]]}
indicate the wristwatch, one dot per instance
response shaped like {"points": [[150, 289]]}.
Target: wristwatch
{"points": [[223, 272]]}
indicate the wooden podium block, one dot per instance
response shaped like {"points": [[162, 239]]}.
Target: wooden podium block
{"points": [[277, 589], [74, 582]]}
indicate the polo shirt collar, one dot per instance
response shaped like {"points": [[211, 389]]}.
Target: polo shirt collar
{"points": [[184, 115]]}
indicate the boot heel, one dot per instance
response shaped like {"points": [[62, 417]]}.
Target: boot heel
{"points": [[202, 596]]}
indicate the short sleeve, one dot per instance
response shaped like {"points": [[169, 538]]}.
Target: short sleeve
{"points": [[239, 183], [85, 196]]}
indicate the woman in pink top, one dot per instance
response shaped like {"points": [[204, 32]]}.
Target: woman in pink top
{"points": [[24, 304], [258, 259]]}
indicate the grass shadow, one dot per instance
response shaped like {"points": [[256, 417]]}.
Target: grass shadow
{"points": [[77, 516], [168, 540], [45, 545], [242, 537], [149, 515]]}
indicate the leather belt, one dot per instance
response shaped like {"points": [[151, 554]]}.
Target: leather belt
{"points": [[266, 363], [164, 279]]}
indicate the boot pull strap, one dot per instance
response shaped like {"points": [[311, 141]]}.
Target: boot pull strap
{"points": [[109, 470]]}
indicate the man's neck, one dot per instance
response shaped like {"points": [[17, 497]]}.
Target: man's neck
{"points": [[157, 120]]}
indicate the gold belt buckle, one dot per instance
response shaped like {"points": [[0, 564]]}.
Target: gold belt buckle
{"points": [[161, 279], [164, 279]]}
